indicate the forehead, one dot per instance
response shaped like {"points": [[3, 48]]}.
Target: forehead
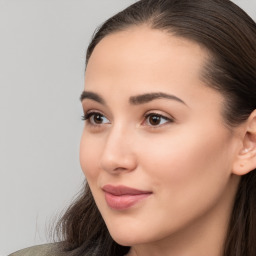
{"points": [[141, 49], [140, 56]]}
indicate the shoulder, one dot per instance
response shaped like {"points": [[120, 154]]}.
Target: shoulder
{"points": [[40, 250]]}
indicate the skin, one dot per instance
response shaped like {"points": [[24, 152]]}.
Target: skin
{"points": [[186, 161]]}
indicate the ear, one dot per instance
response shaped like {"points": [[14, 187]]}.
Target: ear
{"points": [[246, 158]]}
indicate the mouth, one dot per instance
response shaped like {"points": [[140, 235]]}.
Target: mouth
{"points": [[122, 197]]}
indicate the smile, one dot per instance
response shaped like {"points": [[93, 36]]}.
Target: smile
{"points": [[121, 197]]}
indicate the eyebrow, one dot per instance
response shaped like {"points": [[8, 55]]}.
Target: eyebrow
{"points": [[93, 96], [134, 100], [145, 98]]}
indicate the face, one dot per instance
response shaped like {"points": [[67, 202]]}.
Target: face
{"points": [[155, 149]]}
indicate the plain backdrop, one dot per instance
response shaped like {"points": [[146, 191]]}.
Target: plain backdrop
{"points": [[42, 55]]}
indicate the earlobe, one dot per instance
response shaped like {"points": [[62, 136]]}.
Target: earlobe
{"points": [[246, 158]]}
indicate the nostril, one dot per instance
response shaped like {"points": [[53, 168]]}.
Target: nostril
{"points": [[118, 164], [120, 169]]}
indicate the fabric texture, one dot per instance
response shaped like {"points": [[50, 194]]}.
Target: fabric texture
{"points": [[40, 250]]}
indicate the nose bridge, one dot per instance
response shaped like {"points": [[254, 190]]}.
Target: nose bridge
{"points": [[118, 151]]}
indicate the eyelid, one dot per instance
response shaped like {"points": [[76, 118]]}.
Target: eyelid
{"points": [[89, 112], [159, 113]]}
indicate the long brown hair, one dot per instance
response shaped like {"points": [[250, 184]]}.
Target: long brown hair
{"points": [[229, 35]]}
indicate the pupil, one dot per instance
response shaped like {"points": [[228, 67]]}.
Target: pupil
{"points": [[98, 119], [154, 120]]}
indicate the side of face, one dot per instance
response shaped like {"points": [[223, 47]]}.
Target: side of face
{"points": [[177, 148]]}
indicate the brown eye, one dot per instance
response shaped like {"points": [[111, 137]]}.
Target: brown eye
{"points": [[156, 119], [95, 118]]}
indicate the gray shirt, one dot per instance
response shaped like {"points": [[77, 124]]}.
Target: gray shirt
{"points": [[40, 250]]}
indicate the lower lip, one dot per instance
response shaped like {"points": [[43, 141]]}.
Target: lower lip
{"points": [[124, 201]]}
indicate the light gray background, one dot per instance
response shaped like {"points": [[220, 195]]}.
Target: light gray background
{"points": [[42, 53]]}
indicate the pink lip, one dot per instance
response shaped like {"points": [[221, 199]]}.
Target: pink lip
{"points": [[122, 197]]}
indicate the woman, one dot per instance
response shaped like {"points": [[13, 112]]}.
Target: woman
{"points": [[169, 143]]}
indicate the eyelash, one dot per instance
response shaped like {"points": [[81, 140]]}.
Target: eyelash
{"points": [[88, 115]]}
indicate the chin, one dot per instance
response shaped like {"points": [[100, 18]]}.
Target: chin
{"points": [[125, 236], [127, 241], [128, 236]]}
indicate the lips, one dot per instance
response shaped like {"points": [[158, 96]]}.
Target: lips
{"points": [[122, 197]]}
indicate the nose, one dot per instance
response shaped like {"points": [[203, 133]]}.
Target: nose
{"points": [[118, 153]]}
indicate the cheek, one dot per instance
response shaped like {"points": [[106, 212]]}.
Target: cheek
{"points": [[188, 168], [89, 157]]}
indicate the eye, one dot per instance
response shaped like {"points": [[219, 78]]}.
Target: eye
{"points": [[154, 119], [95, 118]]}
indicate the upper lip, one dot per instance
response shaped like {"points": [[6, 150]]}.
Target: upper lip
{"points": [[123, 190]]}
